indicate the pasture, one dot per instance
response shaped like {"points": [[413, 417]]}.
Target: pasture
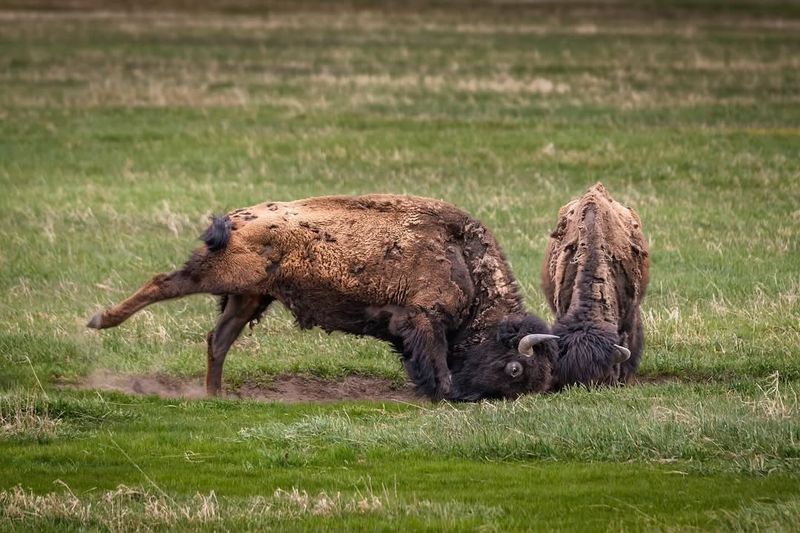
{"points": [[122, 131]]}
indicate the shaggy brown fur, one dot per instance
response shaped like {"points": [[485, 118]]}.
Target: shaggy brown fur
{"points": [[595, 275], [418, 273]]}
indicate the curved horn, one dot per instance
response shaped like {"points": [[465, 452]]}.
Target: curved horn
{"points": [[525, 346], [621, 354]]}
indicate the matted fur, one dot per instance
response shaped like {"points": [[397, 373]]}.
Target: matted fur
{"points": [[595, 275]]}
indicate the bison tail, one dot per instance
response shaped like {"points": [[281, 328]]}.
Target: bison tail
{"points": [[218, 233]]}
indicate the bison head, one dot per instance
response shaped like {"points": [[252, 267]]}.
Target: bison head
{"points": [[516, 360], [588, 353]]}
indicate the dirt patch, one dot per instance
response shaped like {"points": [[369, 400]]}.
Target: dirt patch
{"points": [[288, 388], [284, 388]]}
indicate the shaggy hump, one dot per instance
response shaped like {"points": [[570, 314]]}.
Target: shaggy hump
{"points": [[218, 233]]}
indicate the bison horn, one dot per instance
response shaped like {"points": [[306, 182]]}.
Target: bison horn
{"points": [[621, 354], [527, 343]]}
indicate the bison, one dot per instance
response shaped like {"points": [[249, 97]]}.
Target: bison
{"points": [[594, 275], [419, 273]]}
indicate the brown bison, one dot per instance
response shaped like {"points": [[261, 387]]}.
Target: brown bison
{"points": [[421, 274], [594, 276]]}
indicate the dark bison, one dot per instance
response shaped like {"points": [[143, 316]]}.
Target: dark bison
{"points": [[594, 276], [421, 274]]}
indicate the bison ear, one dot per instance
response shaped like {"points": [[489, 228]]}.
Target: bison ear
{"points": [[508, 332], [513, 328]]}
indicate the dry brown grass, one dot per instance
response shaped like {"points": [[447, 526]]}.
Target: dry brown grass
{"points": [[586, 22], [126, 508], [344, 73], [27, 417], [774, 403]]}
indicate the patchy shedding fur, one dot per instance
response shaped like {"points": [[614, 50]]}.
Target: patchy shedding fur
{"points": [[418, 273], [595, 275]]}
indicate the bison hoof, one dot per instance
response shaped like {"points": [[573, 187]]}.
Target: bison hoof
{"points": [[96, 322]]}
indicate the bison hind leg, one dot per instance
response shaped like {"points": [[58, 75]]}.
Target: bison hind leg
{"points": [[237, 311], [161, 287]]}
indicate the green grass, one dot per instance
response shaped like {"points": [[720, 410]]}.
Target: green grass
{"points": [[120, 132], [432, 467]]}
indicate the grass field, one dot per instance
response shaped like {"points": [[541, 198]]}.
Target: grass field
{"points": [[121, 132]]}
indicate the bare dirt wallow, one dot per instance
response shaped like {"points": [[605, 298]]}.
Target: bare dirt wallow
{"points": [[284, 388], [287, 388]]}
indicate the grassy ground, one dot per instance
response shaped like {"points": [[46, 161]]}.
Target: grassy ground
{"points": [[120, 132]]}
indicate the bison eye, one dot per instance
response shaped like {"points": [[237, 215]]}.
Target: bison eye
{"points": [[514, 369]]}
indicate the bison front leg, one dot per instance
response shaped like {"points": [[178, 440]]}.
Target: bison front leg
{"points": [[238, 311], [160, 287], [635, 344], [425, 347]]}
